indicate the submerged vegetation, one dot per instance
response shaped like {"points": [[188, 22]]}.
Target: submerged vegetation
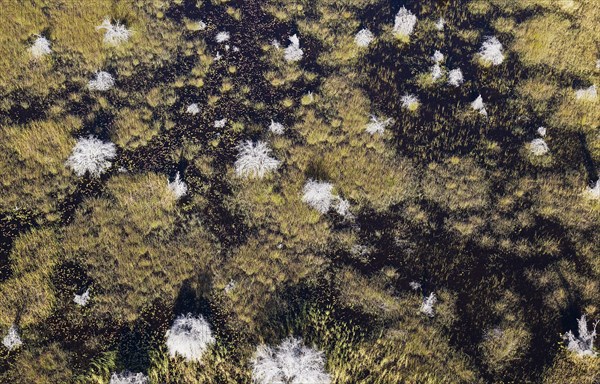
{"points": [[328, 191]]}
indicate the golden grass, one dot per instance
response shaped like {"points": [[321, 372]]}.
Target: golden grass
{"points": [[570, 369], [552, 40], [28, 296], [441, 185], [26, 20], [48, 365], [32, 161], [138, 245], [126, 242], [134, 128], [403, 353]]}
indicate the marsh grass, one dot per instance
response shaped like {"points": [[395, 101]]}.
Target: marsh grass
{"points": [[443, 196], [33, 164]]}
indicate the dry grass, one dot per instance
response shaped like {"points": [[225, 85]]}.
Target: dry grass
{"points": [[28, 296], [32, 162], [504, 239], [553, 40], [127, 244]]}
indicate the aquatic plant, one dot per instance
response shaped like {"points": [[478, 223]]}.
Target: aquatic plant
{"points": [[103, 82], [12, 340], [427, 305], [583, 344], [178, 187], [40, 48], [377, 126], [115, 33], [479, 105], [189, 337], [293, 52], [455, 77], [91, 155], [254, 161], [82, 299], [364, 37], [276, 128], [491, 51], [318, 194], [538, 147], [291, 362], [127, 377], [404, 23]]}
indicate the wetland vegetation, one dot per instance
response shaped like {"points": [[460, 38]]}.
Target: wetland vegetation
{"points": [[299, 191]]}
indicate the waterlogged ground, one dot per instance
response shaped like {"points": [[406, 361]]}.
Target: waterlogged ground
{"points": [[453, 245]]}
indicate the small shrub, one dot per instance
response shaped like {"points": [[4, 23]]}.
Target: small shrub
{"points": [[115, 33], [82, 299], [222, 37], [293, 52], [128, 378], [440, 24], [193, 109], [410, 102], [377, 126], [12, 340], [491, 51], [103, 82], [276, 128], [254, 161], [414, 285], [538, 147], [479, 106], [583, 344], [427, 305], [587, 94], [342, 207], [318, 194], [363, 38], [541, 131], [291, 362], [91, 155], [40, 48], [189, 337], [178, 187], [220, 123], [455, 77], [436, 72], [404, 23]]}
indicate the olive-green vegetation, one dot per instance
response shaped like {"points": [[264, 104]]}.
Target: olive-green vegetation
{"points": [[444, 200]]}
